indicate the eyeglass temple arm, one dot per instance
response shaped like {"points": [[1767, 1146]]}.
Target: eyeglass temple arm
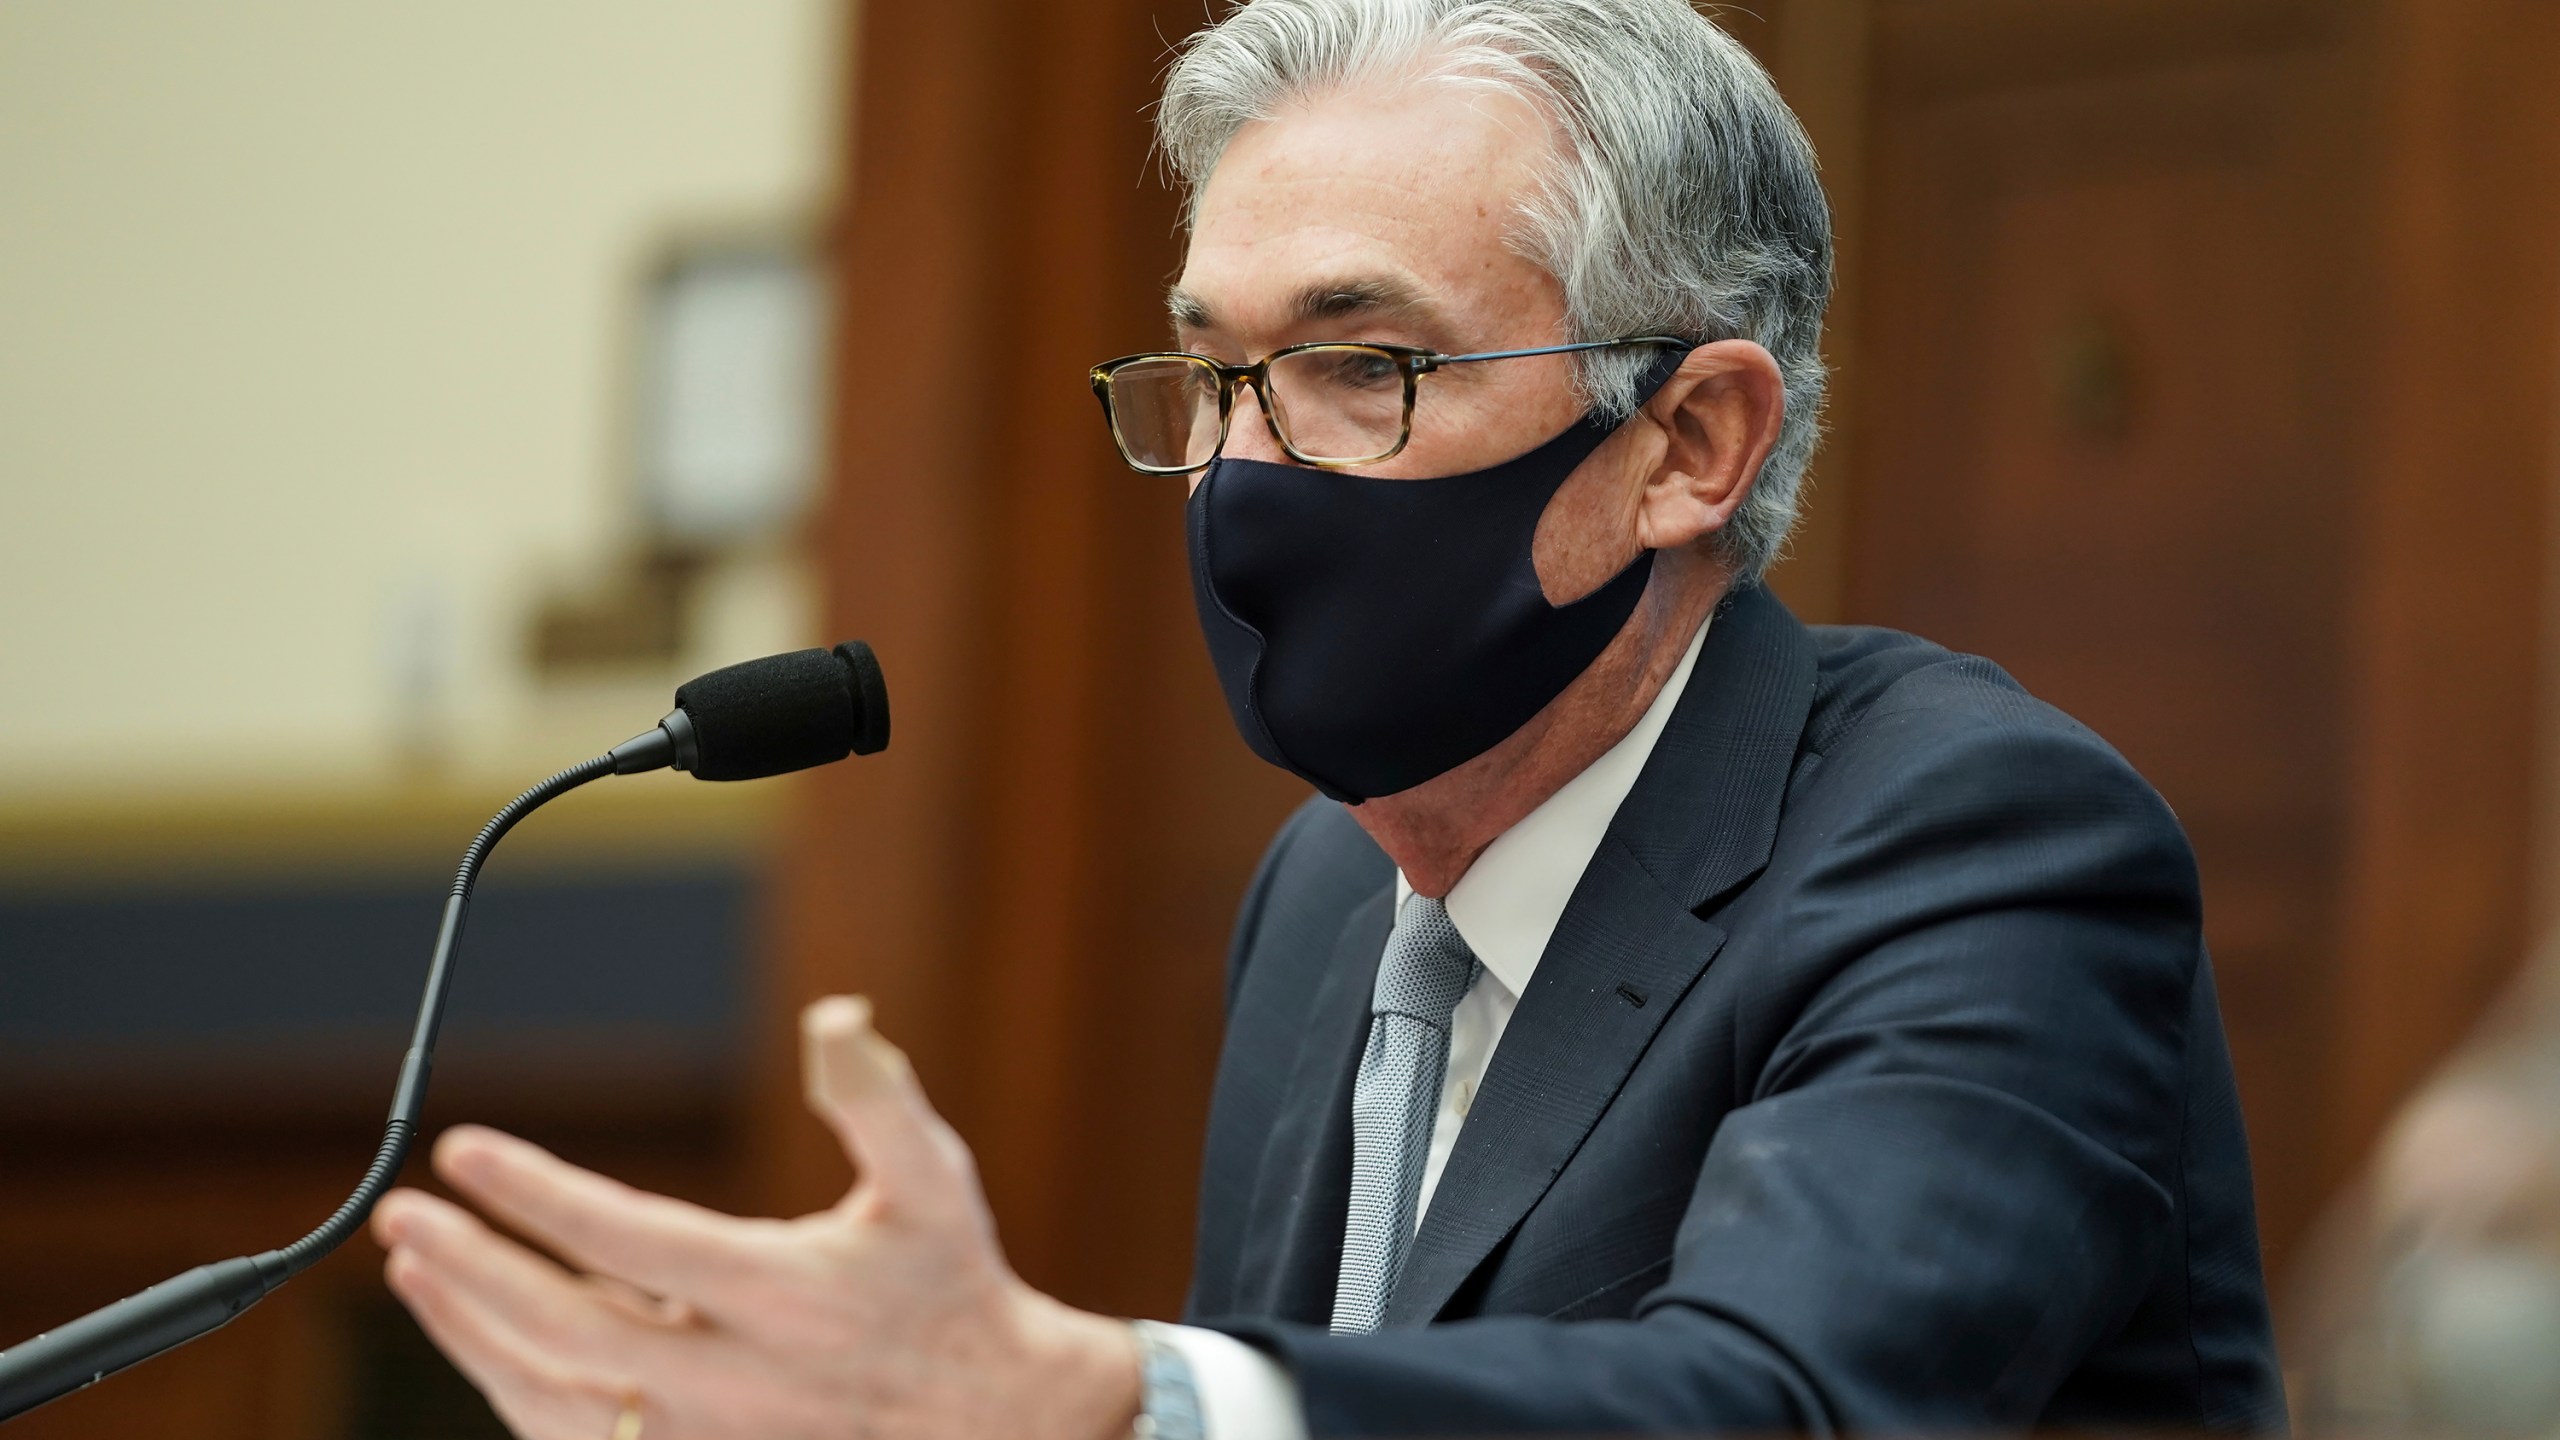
{"points": [[1438, 360]]}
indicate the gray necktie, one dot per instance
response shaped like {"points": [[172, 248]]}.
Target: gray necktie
{"points": [[1424, 974]]}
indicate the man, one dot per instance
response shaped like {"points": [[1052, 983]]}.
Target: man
{"points": [[1673, 1019]]}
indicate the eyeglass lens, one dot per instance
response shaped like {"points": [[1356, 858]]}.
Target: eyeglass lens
{"points": [[1336, 404], [1164, 412]]}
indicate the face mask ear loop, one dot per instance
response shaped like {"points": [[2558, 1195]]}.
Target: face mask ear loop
{"points": [[1648, 385]]}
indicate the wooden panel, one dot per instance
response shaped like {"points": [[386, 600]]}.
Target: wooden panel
{"points": [[2101, 448], [1036, 879], [1972, 47], [2451, 620], [1821, 59], [2210, 387]]}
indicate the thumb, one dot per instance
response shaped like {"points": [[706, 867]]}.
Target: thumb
{"points": [[865, 1090]]}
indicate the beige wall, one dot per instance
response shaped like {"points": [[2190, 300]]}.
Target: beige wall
{"points": [[312, 326]]}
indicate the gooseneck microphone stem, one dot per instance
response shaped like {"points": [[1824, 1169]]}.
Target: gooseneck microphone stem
{"points": [[179, 1309], [763, 717], [409, 1096]]}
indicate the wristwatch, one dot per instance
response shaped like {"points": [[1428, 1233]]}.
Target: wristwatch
{"points": [[1169, 1403]]}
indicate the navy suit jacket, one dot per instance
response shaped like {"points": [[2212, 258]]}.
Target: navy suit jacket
{"points": [[1872, 1080]]}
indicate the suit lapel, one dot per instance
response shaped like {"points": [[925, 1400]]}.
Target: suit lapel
{"points": [[1704, 813], [1699, 822], [1302, 1200], [1570, 1044]]}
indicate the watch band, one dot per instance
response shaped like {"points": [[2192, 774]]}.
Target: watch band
{"points": [[1169, 1408]]}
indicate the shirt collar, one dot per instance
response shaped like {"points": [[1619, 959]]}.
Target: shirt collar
{"points": [[1507, 905]]}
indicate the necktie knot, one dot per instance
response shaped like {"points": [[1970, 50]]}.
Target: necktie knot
{"points": [[1427, 967]]}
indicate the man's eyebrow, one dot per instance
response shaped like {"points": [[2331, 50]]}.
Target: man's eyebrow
{"points": [[1330, 300], [1367, 295]]}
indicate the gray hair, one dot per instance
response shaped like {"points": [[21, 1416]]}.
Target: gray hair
{"points": [[1684, 200]]}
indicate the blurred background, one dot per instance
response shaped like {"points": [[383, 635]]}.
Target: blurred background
{"points": [[394, 406]]}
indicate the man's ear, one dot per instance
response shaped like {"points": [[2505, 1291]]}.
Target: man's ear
{"points": [[1719, 415]]}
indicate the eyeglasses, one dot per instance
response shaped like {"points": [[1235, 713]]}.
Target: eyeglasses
{"points": [[1330, 403]]}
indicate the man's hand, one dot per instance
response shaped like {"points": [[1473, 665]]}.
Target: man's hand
{"points": [[891, 1314]]}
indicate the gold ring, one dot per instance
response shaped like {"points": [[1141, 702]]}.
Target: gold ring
{"points": [[626, 1426]]}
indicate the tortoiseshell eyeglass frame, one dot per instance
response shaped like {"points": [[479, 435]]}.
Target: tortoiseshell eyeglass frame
{"points": [[1411, 362]]}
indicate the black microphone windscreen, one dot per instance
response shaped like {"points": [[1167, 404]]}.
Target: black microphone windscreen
{"points": [[786, 712]]}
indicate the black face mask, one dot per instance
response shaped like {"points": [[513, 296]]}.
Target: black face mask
{"points": [[1371, 634]]}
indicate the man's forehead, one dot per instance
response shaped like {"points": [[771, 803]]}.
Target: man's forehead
{"points": [[1361, 204]]}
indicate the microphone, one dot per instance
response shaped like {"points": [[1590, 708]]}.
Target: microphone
{"points": [[742, 722], [769, 717]]}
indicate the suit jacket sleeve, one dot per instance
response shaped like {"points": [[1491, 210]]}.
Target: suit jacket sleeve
{"points": [[1951, 1173]]}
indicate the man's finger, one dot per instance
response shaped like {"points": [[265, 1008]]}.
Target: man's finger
{"points": [[663, 1246], [537, 1394], [639, 1304], [864, 1089], [534, 1297]]}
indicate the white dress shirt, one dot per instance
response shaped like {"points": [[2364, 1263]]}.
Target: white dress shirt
{"points": [[1505, 907]]}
